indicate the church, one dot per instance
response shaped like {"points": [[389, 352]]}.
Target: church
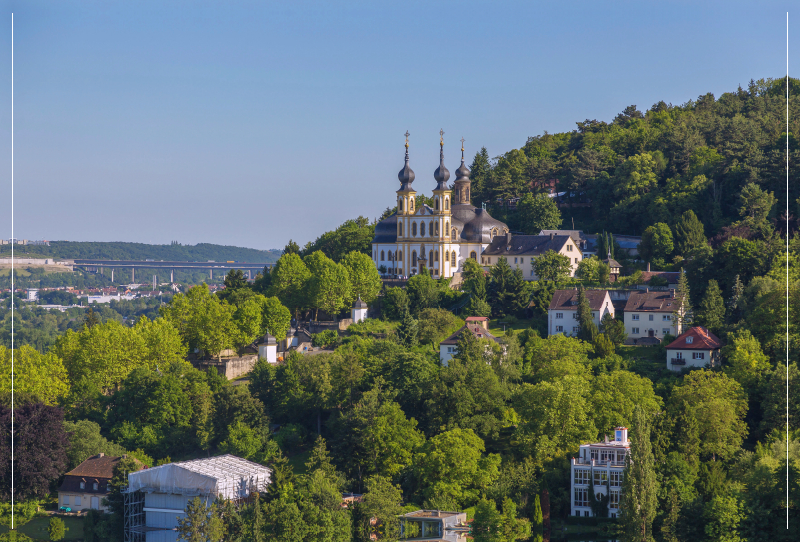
{"points": [[440, 238]]}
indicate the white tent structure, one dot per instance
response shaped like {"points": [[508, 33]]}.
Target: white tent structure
{"points": [[156, 498]]}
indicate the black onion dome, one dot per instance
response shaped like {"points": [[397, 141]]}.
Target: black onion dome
{"points": [[406, 175], [463, 172], [441, 174]]}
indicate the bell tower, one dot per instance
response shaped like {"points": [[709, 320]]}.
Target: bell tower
{"points": [[442, 201], [462, 184]]}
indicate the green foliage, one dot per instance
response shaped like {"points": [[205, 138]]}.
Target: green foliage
{"points": [[40, 375], [395, 303], [24, 511], [536, 213], [613, 329], [326, 338], [56, 529], [490, 525], [203, 321], [408, 332], [638, 503], [85, 441], [436, 325], [423, 293], [352, 236], [507, 291], [744, 360], [657, 244], [328, 286], [289, 282], [592, 270], [711, 311], [473, 279], [552, 266], [364, 278], [689, 234], [587, 330], [201, 523]]}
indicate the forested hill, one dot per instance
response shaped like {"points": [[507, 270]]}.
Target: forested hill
{"points": [[651, 165], [140, 251]]}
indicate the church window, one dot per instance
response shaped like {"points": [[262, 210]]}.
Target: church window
{"points": [[414, 229], [422, 229], [446, 204], [453, 258], [400, 204], [437, 229], [399, 255], [494, 233], [436, 203], [400, 229], [453, 234], [447, 256], [382, 258], [430, 259], [436, 257], [410, 204], [473, 255], [467, 194], [414, 258], [446, 227]]}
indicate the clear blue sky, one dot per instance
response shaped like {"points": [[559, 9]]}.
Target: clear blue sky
{"points": [[247, 123]]}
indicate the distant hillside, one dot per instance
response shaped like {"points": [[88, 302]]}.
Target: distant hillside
{"points": [[140, 251]]}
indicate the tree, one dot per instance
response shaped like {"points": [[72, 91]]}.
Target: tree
{"points": [[682, 308], [85, 441], [41, 375], [656, 244], [329, 286], [452, 464], [289, 280], [275, 318], [408, 331], [490, 525], [435, 324], [689, 234], [352, 235], [552, 266], [377, 513], [711, 312], [719, 404], [481, 175], [473, 279], [538, 212], [201, 523], [635, 176], [592, 270], [56, 529], [235, 280], [537, 521], [638, 502], [613, 329], [291, 248], [395, 303], [507, 290], [755, 204], [745, 362], [39, 432], [616, 395], [423, 293], [364, 278], [587, 330], [723, 516]]}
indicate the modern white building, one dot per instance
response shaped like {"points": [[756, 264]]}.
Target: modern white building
{"points": [[648, 317], [602, 463], [156, 498], [562, 314], [696, 347], [520, 251]]}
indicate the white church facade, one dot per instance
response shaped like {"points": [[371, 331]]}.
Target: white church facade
{"points": [[438, 238]]}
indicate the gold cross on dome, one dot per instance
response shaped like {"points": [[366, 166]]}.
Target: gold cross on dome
{"points": [[407, 134], [441, 137]]}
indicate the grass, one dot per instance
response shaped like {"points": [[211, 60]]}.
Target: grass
{"points": [[37, 528], [496, 326]]}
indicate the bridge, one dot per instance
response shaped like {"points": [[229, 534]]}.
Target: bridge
{"points": [[98, 265]]}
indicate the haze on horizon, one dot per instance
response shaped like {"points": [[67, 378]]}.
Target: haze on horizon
{"points": [[251, 123]]}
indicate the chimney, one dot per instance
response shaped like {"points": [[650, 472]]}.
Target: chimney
{"points": [[648, 267], [552, 235], [101, 454]]}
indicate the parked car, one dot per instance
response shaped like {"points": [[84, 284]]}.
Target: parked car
{"points": [[65, 509]]}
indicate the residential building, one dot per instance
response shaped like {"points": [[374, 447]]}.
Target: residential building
{"points": [[85, 486], [648, 317], [156, 498], [448, 348], [562, 314], [670, 276], [520, 251], [696, 347], [436, 525], [604, 464], [482, 321]]}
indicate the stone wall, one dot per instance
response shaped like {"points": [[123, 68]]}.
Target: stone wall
{"points": [[230, 367]]}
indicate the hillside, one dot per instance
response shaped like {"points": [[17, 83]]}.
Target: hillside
{"points": [[142, 251]]}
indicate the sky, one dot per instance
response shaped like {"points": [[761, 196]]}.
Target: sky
{"points": [[250, 123]]}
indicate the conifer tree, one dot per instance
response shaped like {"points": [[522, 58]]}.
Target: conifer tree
{"points": [[711, 312], [689, 234], [638, 501], [682, 307], [537, 521], [408, 330], [588, 330]]}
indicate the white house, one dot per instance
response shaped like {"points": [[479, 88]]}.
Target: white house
{"points": [[562, 314], [268, 349], [85, 486], [604, 464], [448, 348], [359, 311], [648, 317], [520, 251], [697, 347]]}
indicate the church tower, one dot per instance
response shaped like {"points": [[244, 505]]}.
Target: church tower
{"points": [[406, 206], [462, 184], [442, 199]]}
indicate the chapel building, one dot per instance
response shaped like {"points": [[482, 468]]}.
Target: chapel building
{"points": [[440, 238]]}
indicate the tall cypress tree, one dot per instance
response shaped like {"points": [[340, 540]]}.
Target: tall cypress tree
{"points": [[638, 502], [711, 312], [587, 331], [682, 308]]}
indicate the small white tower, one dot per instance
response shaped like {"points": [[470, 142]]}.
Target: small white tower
{"points": [[268, 349], [359, 311]]}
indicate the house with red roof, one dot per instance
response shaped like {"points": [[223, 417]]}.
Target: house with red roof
{"points": [[697, 347]]}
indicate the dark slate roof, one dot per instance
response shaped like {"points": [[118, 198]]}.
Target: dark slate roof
{"points": [[526, 245], [577, 235], [476, 329], [386, 230], [359, 304], [671, 276], [611, 262], [97, 466], [568, 299], [268, 339], [651, 302], [702, 339]]}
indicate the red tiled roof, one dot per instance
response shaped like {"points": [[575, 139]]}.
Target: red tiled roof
{"points": [[671, 276], [702, 339], [96, 467]]}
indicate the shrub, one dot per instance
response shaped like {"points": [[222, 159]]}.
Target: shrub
{"points": [[291, 436], [324, 338]]}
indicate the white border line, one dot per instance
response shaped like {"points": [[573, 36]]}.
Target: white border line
{"points": [[787, 270], [12, 272]]}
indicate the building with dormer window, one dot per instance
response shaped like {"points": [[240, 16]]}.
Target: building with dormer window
{"points": [[602, 463]]}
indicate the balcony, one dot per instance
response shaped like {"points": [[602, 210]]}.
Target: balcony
{"points": [[677, 361], [597, 462]]}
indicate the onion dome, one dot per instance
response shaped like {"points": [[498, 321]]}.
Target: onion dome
{"points": [[359, 304], [406, 175], [441, 174], [463, 172]]}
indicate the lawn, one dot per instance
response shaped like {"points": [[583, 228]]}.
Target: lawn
{"points": [[37, 528], [497, 326]]}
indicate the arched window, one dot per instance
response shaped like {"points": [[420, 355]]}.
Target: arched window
{"points": [[399, 255], [453, 234], [494, 233], [414, 229], [410, 204], [422, 229], [446, 227], [446, 204], [467, 198], [430, 259], [400, 204], [437, 229], [453, 258], [382, 258], [414, 258], [447, 256], [436, 203], [436, 257], [473, 255], [400, 229]]}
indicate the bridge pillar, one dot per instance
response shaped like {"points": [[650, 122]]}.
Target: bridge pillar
{"points": [[171, 275], [133, 274], [112, 274], [249, 274], [211, 274]]}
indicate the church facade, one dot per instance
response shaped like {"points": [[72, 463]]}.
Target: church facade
{"points": [[438, 238]]}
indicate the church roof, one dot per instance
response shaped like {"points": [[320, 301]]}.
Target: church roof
{"points": [[386, 230]]}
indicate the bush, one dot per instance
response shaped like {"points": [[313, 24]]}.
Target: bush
{"points": [[324, 338], [56, 529], [291, 436]]}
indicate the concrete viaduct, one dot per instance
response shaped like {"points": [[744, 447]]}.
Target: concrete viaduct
{"points": [[97, 265]]}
